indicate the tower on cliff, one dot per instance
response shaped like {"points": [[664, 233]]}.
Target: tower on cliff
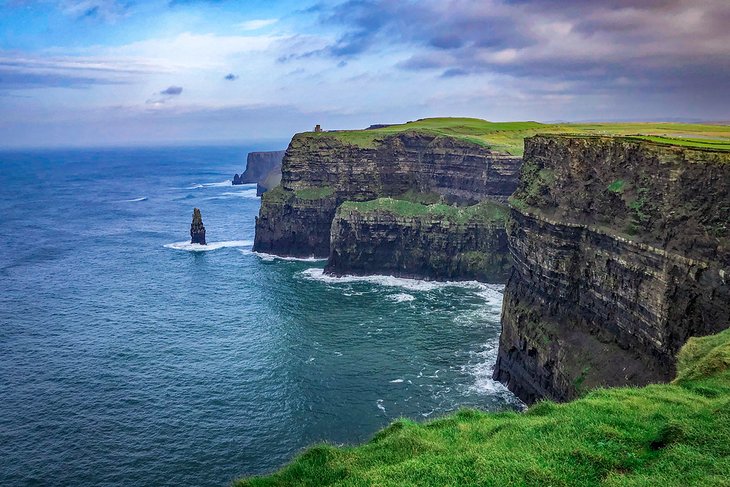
{"points": [[197, 229], [318, 128]]}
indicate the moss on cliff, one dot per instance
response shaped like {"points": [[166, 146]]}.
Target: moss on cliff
{"points": [[484, 212], [508, 136], [672, 435]]}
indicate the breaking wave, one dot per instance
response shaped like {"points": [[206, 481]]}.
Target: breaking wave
{"points": [[318, 274], [189, 247], [271, 257]]}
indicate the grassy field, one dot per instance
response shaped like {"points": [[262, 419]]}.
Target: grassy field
{"points": [[508, 136], [484, 212], [667, 435]]}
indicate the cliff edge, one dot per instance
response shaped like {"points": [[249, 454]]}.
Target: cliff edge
{"points": [[621, 252]]}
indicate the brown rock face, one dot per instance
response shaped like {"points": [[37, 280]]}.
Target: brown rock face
{"points": [[320, 172], [621, 251], [197, 230]]}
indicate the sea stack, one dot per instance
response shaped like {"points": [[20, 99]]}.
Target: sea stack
{"points": [[197, 229]]}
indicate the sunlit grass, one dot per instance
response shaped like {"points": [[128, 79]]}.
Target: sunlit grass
{"points": [[667, 435], [508, 136]]}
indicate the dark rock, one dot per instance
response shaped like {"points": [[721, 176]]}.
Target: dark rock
{"points": [[460, 171], [260, 166], [620, 247], [197, 230], [418, 246]]}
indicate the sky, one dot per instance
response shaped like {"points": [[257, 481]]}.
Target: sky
{"points": [[158, 72]]}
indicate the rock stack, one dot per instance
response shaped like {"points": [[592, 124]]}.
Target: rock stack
{"points": [[197, 229]]}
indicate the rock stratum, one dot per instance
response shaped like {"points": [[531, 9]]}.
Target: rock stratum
{"points": [[262, 168], [621, 252], [406, 239], [321, 171]]}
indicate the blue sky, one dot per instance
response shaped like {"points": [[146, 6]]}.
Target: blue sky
{"points": [[121, 72]]}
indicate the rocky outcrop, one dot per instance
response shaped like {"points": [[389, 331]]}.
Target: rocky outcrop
{"points": [[621, 250], [320, 171], [262, 168], [197, 229], [426, 242]]}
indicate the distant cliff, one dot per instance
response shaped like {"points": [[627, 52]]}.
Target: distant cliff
{"points": [[622, 252], [407, 239], [321, 172], [263, 168]]}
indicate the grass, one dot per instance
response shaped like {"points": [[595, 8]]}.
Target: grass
{"points": [[508, 136], [314, 193], [484, 212], [674, 434]]}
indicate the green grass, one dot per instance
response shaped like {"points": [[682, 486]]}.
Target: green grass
{"points": [[314, 193], [485, 212], [666, 435], [508, 136], [617, 186]]}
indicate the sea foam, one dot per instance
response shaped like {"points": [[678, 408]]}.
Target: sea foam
{"points": [[318, 274], [271, 257], [135, 200], [220, 184], [246, 193], [190, 247]]}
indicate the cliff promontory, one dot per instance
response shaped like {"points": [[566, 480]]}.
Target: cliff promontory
{"points": [[409, 239], [262, 168], [621, 252], [321, 171]]}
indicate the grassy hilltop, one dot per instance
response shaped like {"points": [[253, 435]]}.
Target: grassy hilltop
{"points": [[674, 434], [508, 136]]}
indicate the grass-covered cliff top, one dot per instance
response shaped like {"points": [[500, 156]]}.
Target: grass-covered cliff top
{"points": [[674, 434], [483, 212], [508, 136]]}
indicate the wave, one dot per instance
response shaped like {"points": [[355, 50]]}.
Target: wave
{"points": [[189, 247], [317, 274], [248, 194], [271, 257], [220, 184], [134, 200], [481, 369], [402, 297]]}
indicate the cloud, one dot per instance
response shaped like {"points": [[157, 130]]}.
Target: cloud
{"points": [[103, 10], [172, 91], [230, 77], [667, 44], [24, 70], [257, 24]]}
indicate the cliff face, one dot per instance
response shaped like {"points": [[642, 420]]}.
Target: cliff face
{"points": [[621, 251], [261, 167], [320, 172], [382, 240]]}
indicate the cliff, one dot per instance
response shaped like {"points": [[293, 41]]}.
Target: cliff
{"points": [[407, 239], [621, 252], [672, 435], [321, 171], [263, 168]]}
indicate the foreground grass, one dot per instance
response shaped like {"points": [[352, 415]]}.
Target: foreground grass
{"points": [[675, 434], [508, 136]]}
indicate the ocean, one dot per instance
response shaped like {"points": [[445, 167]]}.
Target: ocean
{"points": [[128, 357]]}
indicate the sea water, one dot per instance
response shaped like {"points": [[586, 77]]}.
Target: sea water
{"points": [[129, 356]]}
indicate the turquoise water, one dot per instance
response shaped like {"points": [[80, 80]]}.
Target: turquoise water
{"points": [[127, 359]]}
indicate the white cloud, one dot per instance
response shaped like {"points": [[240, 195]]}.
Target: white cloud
{"points": [[257, 24]]}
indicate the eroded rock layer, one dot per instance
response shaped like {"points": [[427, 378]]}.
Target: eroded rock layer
{"points": [[425, 246], [320, 171], [621, 250]]}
